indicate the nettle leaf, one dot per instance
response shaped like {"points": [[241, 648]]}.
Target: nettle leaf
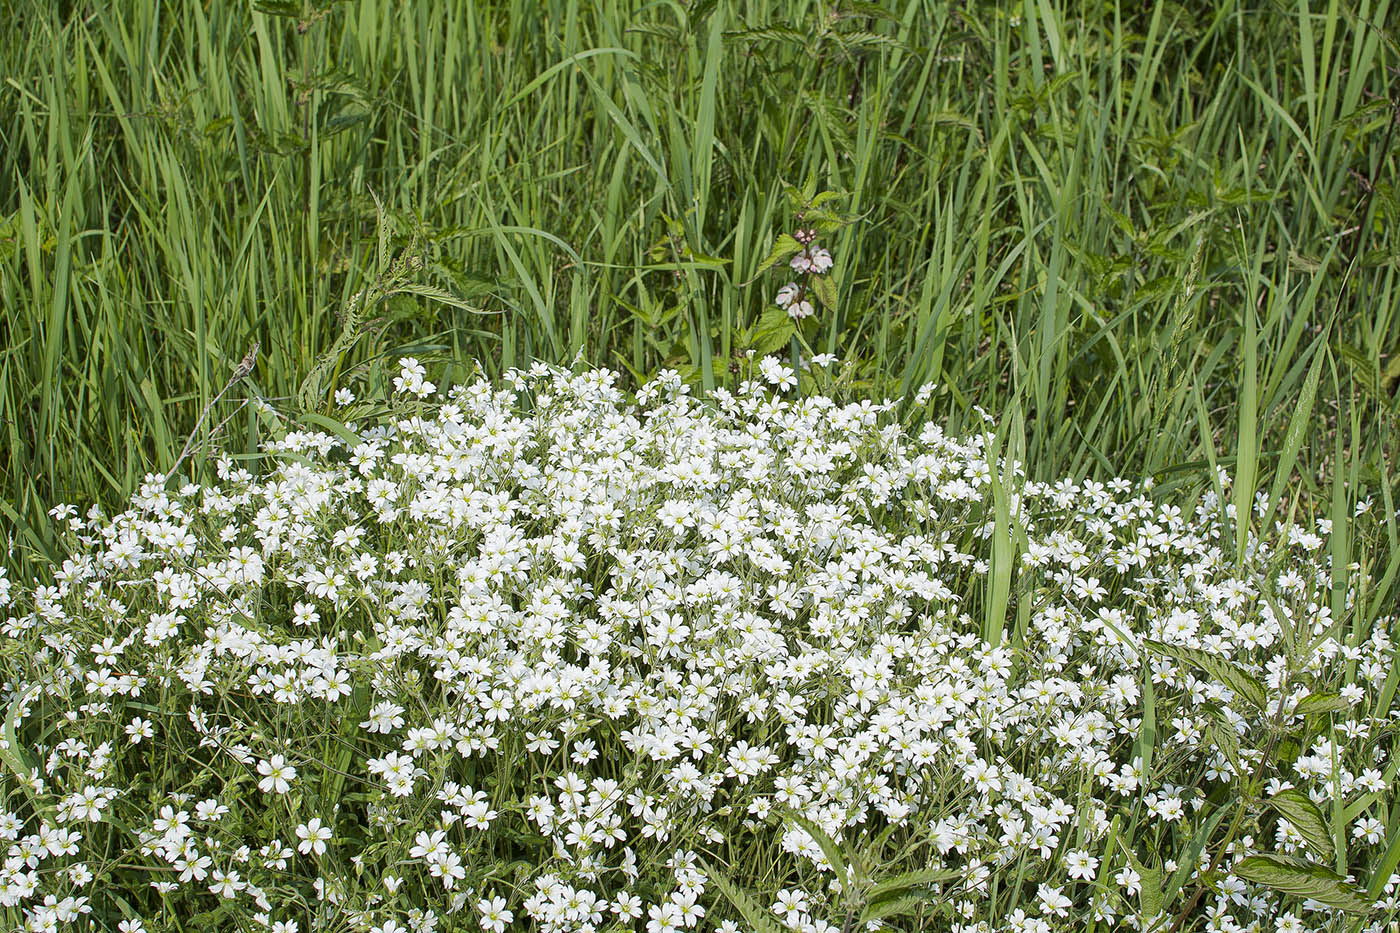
{"points": [[825, 290], [907, 881], [784, 247], [830, 848], [1241, 683], [1298, 808], [1150, 885], [1222, 736], [892, 907], [1304, 879], [1321, 703], [772, 331], [753, 912]]}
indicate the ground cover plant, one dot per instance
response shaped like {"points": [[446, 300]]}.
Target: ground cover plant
{"points": [[1080, 207], [532, 653]]}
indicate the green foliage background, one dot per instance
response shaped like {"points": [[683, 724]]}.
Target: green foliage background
{"points": [[1134, 226]]}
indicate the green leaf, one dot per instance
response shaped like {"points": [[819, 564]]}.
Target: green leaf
{"points": [[899, 884], [1190, 858], [347, 436], [1222, 736], [11, 755], [278, 8], [830, 848], [783, 247], [892, 907], [1242, 684], [825, 289], [1321, 703], [753, 913], [1304, 879], [1150, 895], [1298, 808], [772, 332]]}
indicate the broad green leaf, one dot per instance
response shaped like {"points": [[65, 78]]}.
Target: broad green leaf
{"points": [[347, 436], [1321, 703], [783, 247], [1303, 879], [1150, 895], [825, 288], [774, 330], [899, 884], [1242, 684], [13, 757], [1296, 807], [892, 907]]}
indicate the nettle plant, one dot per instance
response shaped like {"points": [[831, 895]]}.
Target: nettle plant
{"points": [[809, 288], [546, 656]]}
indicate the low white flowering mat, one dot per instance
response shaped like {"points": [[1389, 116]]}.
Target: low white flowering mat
{"points": [[543, 656]]}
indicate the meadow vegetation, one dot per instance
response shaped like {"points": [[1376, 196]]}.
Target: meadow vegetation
{"points": [[1138, 223], [921, 463]]}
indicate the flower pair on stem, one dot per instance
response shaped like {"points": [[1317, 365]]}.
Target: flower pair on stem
{"points": [[811, 260]]}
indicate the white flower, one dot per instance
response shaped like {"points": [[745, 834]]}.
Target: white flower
{"points": [[313, 837], [277, 775], [800, 309], [494, 915], [1081, 865]]}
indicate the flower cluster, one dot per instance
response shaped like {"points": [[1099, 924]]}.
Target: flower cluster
{"points": [[526, 655], [810, 260]]}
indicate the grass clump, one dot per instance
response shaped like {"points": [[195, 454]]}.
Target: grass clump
{"points": [[534, 653], [1077, 207]]}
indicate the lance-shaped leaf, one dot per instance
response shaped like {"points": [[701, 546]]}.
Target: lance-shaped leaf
{"points": [[783, 247], [825, 290], [829, 846], [1304, 879], [752, 911], [1321, 703], [1298, 809], [1241, 683], [892, 907], [904, 883]]}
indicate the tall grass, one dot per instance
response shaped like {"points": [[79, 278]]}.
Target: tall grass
{"points": [[1164, 233]]}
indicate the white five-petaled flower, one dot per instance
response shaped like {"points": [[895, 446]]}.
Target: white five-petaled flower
{"points": [[313, 837], [277, 775], [494, 915]]}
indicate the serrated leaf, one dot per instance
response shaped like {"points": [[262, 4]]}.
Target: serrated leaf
{"points": [[1150, 886], [1303, 879], [899, 884], [830, 848], [825, 289], [433, 293], [1298, 808], [753, 913], [1242, 684], [767, 34], [773, 331], [892, 907], [1321, 703], [783, 247], [278, 8], [1222, 735]]}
